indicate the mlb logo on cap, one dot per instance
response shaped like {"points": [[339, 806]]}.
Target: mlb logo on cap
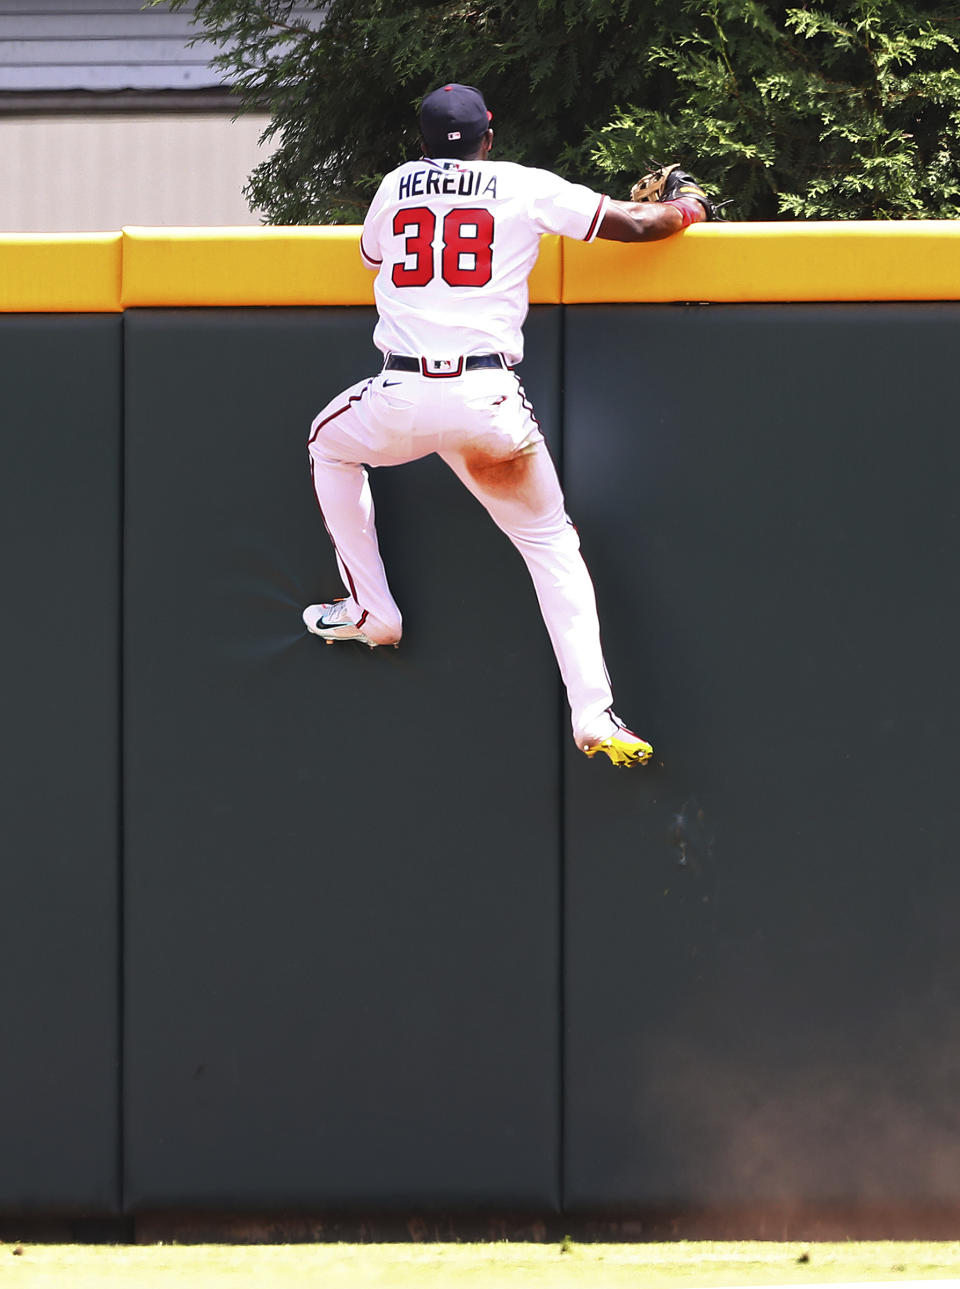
{"points": [[451, 114]]}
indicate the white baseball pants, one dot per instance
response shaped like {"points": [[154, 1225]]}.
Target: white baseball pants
{"points": [[482, 426]]}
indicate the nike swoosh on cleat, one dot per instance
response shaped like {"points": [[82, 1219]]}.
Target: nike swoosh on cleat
{"points": [[388, 383]]}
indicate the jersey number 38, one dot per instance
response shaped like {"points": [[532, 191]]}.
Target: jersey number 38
{"points": [[466, 246]]}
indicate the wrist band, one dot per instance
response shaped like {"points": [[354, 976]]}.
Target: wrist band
{"points": [[691, 209]]}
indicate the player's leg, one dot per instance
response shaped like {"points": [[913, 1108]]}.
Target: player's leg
{"points": [[502, 459], [342, 489], [523, 497]]}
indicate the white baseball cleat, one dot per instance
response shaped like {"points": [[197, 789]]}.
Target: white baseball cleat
{"points": [[331, 623]]}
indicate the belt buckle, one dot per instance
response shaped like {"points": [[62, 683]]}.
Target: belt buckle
{"points": [[442, 367]]}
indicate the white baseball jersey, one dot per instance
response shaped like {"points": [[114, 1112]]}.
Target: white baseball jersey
{"points": [[453, 243]]}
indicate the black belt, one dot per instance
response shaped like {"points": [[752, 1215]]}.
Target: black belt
{"points": [[443, 367]]}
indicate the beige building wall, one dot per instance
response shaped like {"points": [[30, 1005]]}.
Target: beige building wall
{"points": [[66, 173]]}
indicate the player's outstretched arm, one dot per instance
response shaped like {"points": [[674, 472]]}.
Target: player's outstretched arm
{"points": [[663, 202], [633, 221]]}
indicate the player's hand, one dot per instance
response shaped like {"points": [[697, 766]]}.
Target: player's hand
{"points": [[666, 183]]}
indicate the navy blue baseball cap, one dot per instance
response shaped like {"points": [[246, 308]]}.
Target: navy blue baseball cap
{"points": [[451, 116]]}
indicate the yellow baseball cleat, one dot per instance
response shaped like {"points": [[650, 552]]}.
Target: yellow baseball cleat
{"points": [[623, 748]]}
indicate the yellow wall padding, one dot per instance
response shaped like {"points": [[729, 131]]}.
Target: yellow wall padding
{"points": [[243, 266], [546, 280], [882, 260], [268, 266], [60, 272], [183, 267]]}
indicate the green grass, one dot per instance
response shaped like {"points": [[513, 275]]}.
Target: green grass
{"points": [[678, 1265]]}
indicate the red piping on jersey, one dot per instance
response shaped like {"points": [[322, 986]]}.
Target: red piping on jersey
{"points": [[524, 401], [354, 398], [596, 219], [369, 258], [340, 560]]}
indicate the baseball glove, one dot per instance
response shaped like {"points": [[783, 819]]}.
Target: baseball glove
{"points": [[667, 182]]}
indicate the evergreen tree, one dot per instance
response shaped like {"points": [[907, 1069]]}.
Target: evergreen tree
{"points": [[848, 110], [841, 110]]}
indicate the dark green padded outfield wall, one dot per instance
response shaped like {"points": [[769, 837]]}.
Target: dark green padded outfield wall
{"points": [[762, 964], [388, 941], [342, 885], [62, 383]]}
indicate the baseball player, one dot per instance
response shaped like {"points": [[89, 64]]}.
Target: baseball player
{"points": [[452, 239]]}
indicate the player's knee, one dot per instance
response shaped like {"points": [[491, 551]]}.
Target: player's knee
{"points": [[317, 454], [501, 476]]}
